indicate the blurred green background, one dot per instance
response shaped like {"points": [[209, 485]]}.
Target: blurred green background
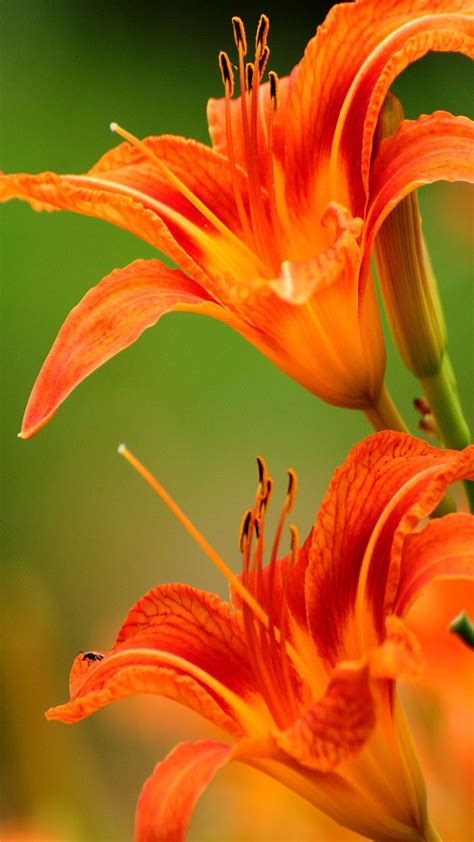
{"points": [[83, 537]]}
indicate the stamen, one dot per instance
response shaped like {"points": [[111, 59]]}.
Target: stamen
{"points": [[273, 79], [227, 73], [252, 608], [262, 62], [294, 542], [283, 625], [261, 232], [240, 37], [262, 33], [291, 491], [195, 534], [262, 471], [244, 530], [249, 72], [188, 194]]}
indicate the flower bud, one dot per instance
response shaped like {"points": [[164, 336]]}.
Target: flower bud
{"points": [[406, 278]]}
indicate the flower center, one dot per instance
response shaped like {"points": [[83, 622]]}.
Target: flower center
{"points": [[273, 670], [260, 223], [277, 665], [255, 251]]}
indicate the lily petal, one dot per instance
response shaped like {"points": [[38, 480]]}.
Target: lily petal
{"points": [[109, 318], [354, 43], [49, 191], [337, 726], [202, 171], [444, 549], [317, 311], [442, 32], [180, 643], [385, 486], [400, 655], [169, 796], [435, 147]]}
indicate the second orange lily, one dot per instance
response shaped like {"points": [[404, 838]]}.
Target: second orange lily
{"points": [[301, 673], [273, 227]]}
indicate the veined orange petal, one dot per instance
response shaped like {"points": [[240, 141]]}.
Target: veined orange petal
{"points": [[169, 796], [400, 655], [386, 485], [330, 334], [435, 147], [49, 191], [352, 145], [195, 625], [337, 726], [180, 643], [205, 172], [108, 319], [444, 549], [351, 38]]}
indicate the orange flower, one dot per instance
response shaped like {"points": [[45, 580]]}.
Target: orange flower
{"points": [[272, 228], [301, 672]]}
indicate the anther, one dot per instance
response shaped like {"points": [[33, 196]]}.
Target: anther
{"points": [[262, 471], [422, 406], [239, 35], [244, 530], [262, 62], [273, 78], [226, 72], [291, 491], [267, 492], [257, 525], [262, 32], [249, 72], [294, 542]]}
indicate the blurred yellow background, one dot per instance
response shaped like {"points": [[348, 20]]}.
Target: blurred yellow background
{"points": [[83, 537]]}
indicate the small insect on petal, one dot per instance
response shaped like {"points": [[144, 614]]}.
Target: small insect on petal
{"points": [[91, 657]]}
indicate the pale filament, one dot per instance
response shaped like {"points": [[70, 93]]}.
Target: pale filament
{"points": [[255, 613]]}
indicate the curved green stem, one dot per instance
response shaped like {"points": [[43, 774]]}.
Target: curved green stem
{"points": [[384, 415], [441, 394]]}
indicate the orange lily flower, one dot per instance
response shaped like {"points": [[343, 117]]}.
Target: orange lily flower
{"points": [[301, 671], [273, 227]]}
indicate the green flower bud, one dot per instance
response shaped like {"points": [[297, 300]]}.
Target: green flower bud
{"points": [[406, 278]]}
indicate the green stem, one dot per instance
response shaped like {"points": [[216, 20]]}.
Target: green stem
{"points": [[384, 415], [441, 394]]}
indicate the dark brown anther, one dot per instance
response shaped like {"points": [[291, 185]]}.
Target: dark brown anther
{"points": [[244, 530], [262, 471], [294, 541], [262, 33], [262, 62], [249, 71], [240, 37], [226, 72], [422, 406], [273, 78], [257, 527], [268, 490], [290, 494]]}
